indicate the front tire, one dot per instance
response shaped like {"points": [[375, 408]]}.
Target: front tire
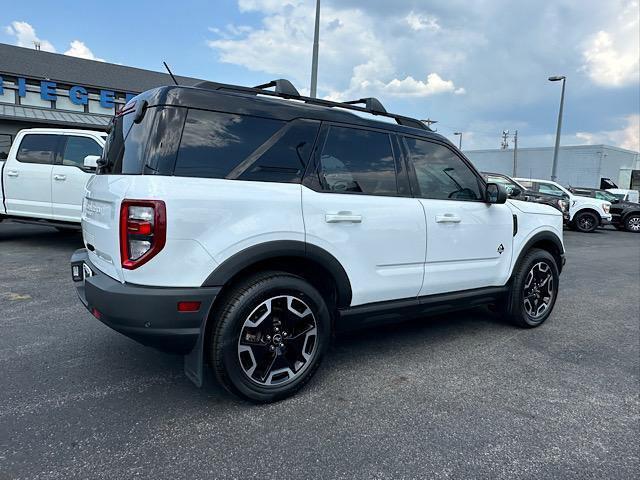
{"points": [[534, 289], [270, 337], [586, 222], [632, 223]]}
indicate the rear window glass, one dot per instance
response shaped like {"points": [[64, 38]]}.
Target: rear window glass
{"points": [[220, 145], [358, 161], [146, 147], [38, 148]]}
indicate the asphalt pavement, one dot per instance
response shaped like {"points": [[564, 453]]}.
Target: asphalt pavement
{"points": [[463, 395]]}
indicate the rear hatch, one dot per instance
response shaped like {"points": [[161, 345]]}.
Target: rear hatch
{"points": [[132, 149]]}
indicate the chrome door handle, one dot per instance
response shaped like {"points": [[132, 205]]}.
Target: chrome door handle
{"points": [[448, 218], [346, 217], [12, 173], [60, 177]]}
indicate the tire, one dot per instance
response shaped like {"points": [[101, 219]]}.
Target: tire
{"points": [[524, 299], [264, 357], [585, 222], [632, 223]]}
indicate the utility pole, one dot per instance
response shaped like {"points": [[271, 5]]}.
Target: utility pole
{"points": [[460, 135], [314, 60], [505, 140], [515, 153], [554, 166]]}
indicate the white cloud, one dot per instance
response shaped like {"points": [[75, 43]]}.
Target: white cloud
{"points": [[611, 56], [422, 22], [417, 88], [25, 36], [626, 137], [80, 50], [357, 59]]}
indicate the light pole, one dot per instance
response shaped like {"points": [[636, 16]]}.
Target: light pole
{"points": [[314, 60], [460, 142], [554, 167]]}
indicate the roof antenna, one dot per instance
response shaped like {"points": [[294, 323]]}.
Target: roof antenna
{"points": [[169, 70]]}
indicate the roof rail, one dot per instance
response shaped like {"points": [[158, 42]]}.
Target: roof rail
{"points": [[370, 103], [285, 89]]}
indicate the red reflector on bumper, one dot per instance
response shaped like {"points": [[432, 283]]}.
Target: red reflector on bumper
{"points": [[188, 306], [96, 313]]}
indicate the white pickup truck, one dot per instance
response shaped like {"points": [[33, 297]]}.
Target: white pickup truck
{"points": [[44, 176]]}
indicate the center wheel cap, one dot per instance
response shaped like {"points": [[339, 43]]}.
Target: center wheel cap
{"points": [[277, 339]]}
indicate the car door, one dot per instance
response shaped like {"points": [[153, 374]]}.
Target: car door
{"points": [[69, 176], [27, 177], [469, 241], [354, 209]]}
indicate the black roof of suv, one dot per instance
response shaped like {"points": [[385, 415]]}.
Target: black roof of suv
{"points": [[258, 101]]}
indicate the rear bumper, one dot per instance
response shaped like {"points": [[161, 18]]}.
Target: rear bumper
{"points": [[148, 315]]}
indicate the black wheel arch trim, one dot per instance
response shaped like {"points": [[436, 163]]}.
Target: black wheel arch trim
{"points": [[283, 248], [542, 237]]}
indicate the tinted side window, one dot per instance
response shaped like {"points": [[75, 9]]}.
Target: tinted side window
{"points": [[213, 144], [77, 148], [550, 189], [440, 173], [283, 158], [355, 160], [38, 148]]}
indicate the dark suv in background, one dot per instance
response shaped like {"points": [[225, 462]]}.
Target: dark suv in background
{"points": [[519, 192], [625, 215]]}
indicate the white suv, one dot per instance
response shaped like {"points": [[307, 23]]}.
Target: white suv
{"points": [[585, 213], [243, 229]]}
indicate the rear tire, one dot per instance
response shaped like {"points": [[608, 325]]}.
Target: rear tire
{"points": [[534, 290], [271, 334], [585, 222], [632, 223]]}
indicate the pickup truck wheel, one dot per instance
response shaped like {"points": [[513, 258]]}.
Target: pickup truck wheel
{"points": [[534, 289], [632, 223], [270, 337], [585, 222]]}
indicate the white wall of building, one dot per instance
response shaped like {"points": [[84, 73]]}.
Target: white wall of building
{"points": [[582, 165]]}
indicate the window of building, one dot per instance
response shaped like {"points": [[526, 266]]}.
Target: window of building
{"points": [[215, 145], [77, 148], [36, 148], [358, 161], [5, 145], [440, 173]]}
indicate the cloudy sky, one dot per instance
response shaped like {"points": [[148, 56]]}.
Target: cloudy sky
{"points": [[475, 66]]}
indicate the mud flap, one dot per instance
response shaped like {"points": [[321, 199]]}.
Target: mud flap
{"points": [[194, 360]]}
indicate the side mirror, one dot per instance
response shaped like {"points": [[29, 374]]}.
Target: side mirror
{"points": [[496, 193], [515, 192], [91, 161]]}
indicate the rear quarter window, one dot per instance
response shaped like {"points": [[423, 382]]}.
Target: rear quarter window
{"points": [[223, 145]]}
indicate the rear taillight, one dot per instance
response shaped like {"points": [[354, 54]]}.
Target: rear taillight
{"points": [[143, 231]]}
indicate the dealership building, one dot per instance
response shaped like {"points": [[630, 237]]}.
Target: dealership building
{"points": [[580, 166], [42, 89]]}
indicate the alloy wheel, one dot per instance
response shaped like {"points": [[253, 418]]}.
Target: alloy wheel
{"points": [[586, 223], [538, 290], [634, 224], [277, 341]]}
